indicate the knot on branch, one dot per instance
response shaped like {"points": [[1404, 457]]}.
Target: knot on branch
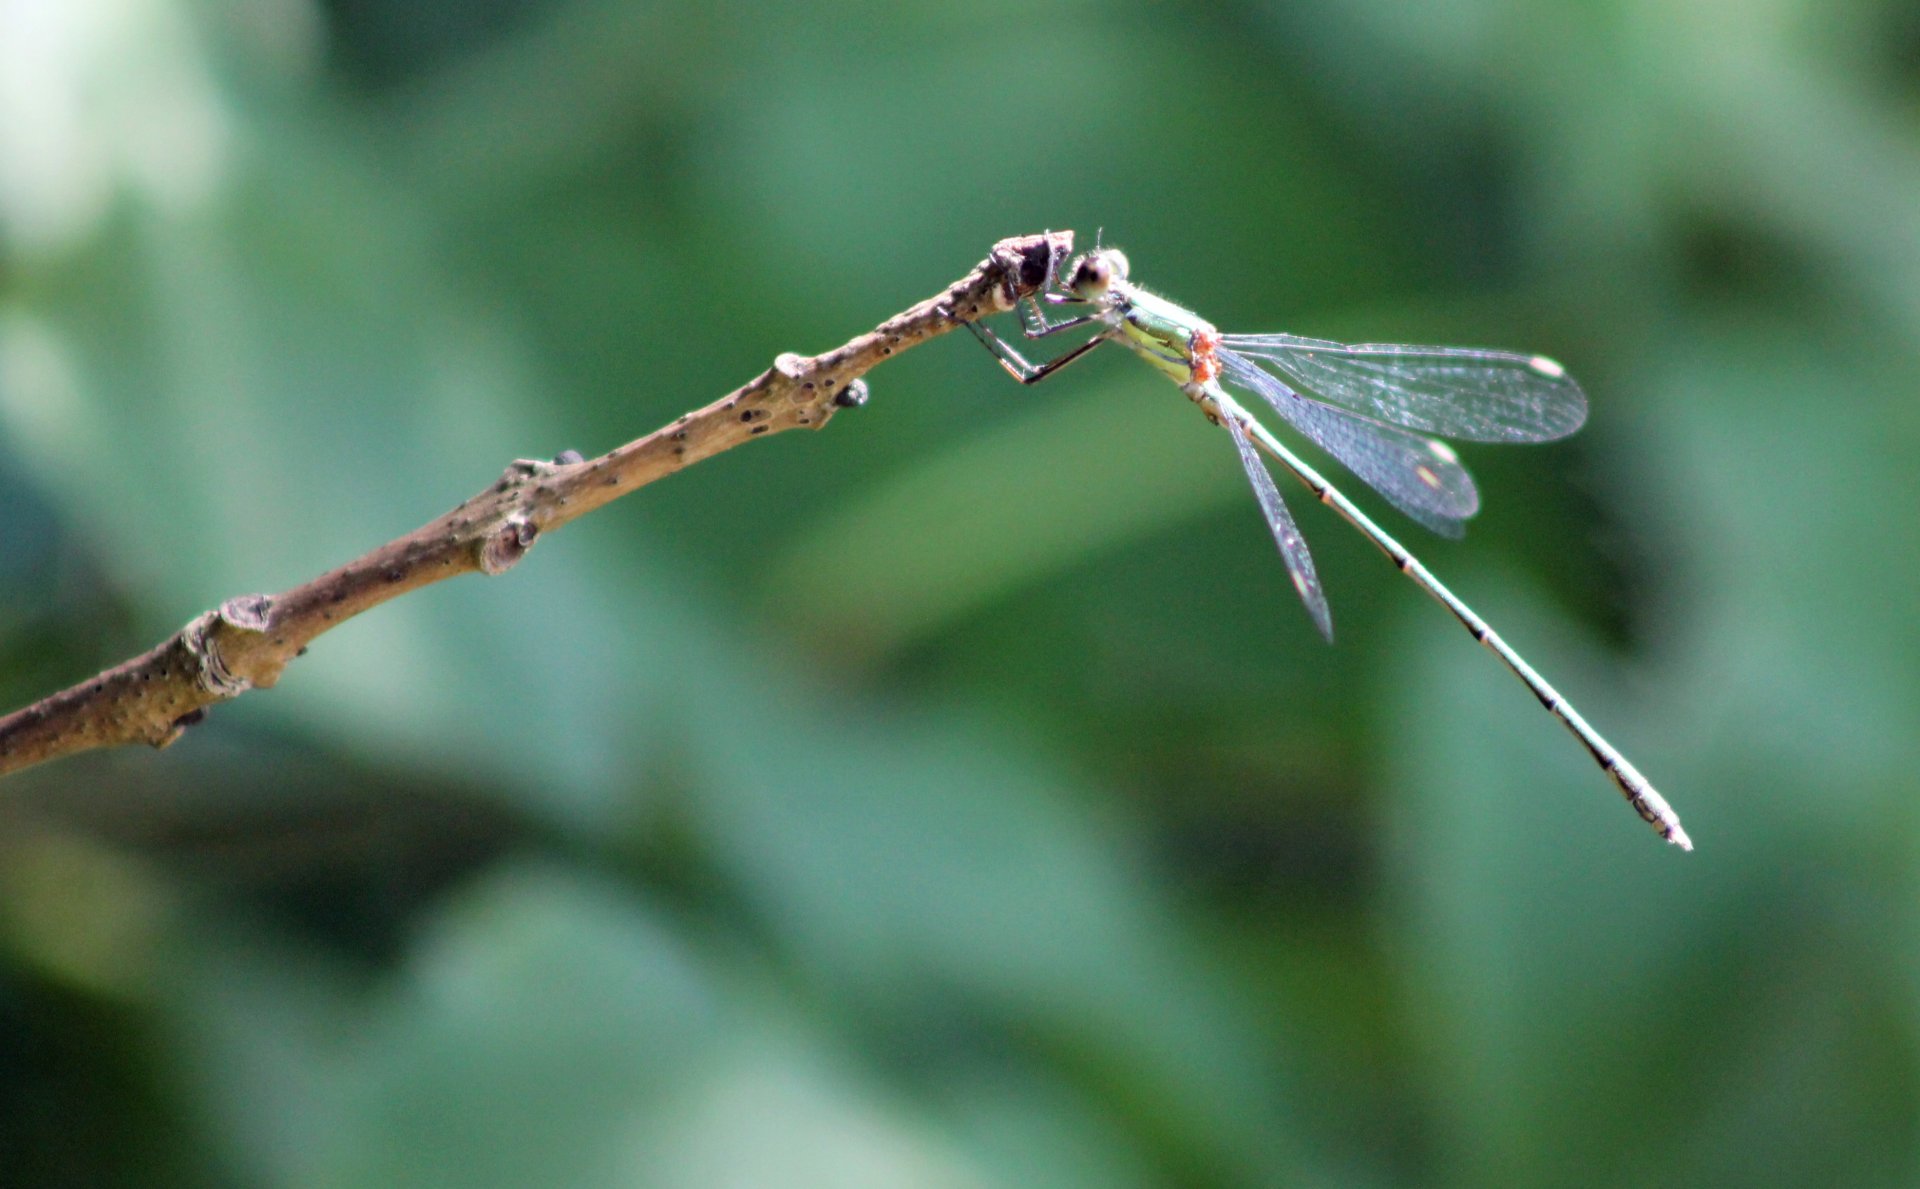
{"points": [[503, 548], [521, 471], [201, 639], [248, 613], [1028, 263], [171, 733]]}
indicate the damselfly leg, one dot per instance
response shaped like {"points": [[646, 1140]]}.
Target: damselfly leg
{"points": [[1037, 327]]}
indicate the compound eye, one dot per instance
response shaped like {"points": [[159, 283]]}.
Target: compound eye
{"points": [[1091, 274], [1116, 264]]}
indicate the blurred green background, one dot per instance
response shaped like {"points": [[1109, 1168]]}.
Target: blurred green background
{"points": [[960, 797]]}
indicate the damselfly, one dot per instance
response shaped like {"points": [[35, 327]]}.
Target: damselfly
{"points": [[1369, 406]]}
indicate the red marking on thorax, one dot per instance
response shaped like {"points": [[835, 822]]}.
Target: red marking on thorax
{"points": [[1200, 350]]}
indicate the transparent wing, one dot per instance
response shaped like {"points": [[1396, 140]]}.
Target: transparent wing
{"points": [[1293, 547], [1459, 392], [1421, 477]]}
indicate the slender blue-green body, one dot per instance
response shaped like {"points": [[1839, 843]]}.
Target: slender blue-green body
{"points": [[1369, 406]]}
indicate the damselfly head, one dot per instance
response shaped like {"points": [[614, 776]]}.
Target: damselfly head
{"points": [[1094, 273]]}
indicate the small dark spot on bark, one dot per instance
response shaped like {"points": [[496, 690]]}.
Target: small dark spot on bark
{"points": [[746, 415], [395, 574]]}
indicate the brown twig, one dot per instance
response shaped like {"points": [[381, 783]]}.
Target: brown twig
{"points": [[247, 641]]}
